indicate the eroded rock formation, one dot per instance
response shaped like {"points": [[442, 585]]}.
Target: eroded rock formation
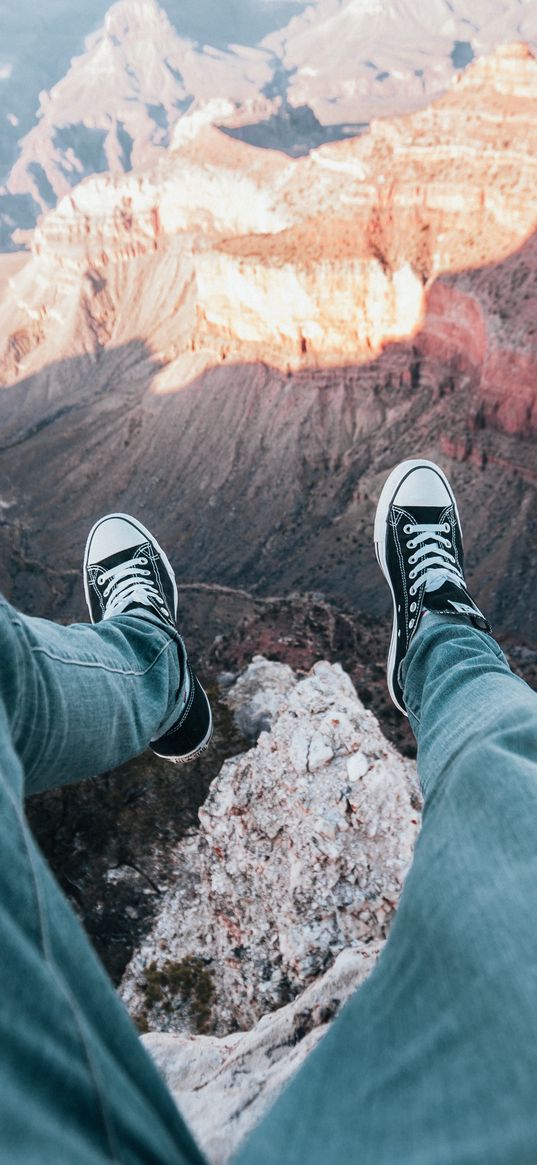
{"points": [[294, 75], [303, 846], [235, 327], [224, 1084], [329, 257]]}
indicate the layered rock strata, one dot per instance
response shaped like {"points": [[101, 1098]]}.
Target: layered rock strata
{"points": [[319, 76], [245, 343], [323, 259]]}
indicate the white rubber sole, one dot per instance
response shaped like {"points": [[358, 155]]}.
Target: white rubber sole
{"points": [[389, 490], [147, 535], [201, 748]]}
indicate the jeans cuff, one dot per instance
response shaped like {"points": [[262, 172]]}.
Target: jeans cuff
{"points": [[183, 678]]}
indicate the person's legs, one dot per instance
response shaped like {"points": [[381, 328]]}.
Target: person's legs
{"points": [[75, 1081], [83, 699], [434, 1060]]}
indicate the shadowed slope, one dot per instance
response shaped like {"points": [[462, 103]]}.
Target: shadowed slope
{"points": [[267, 481]]}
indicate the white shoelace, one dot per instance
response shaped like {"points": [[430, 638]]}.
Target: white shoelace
{"points": [[127, 584], [434, 562]]}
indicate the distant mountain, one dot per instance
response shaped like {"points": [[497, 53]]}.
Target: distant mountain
{"points": [[36, 47], [37, 44], [358, 59], [120, 99], [294, 76], [118, 102]]}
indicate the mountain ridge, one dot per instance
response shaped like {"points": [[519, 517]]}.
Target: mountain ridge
{"points": [[312, 81]]}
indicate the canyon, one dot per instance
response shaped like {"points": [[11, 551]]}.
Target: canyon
{"points": [[237, 344]]}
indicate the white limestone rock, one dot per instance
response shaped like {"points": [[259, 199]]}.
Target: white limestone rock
{"points": [[257, 694], [224, 1085], [296, 860]]}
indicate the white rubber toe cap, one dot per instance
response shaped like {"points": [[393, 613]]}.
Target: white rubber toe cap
{"points": [[422, 485], [111, 534]]}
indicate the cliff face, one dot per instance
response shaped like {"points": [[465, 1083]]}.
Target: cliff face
{"points": [[330, 256], [335, 254], [234, 325]]}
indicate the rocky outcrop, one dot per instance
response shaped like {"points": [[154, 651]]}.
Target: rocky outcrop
{"points": [[224, 1085], [286, 894], [256, 695], [303, 846]]}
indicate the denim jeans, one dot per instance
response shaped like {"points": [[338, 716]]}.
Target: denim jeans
{"points": [[434, 1059]]}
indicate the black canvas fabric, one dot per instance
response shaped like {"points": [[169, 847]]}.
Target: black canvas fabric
{"points": [[191, 733], [446, 599], [158, 576]]}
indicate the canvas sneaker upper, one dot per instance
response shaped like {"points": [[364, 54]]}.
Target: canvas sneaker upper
{"points": [[418, 543], [127, 572], [124, 569]]}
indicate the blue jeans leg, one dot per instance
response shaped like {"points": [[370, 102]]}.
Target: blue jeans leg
{"points": [[434, 1060], [83, 699], [76, 1086]]}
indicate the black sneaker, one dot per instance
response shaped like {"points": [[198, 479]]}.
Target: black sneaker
{"points": [[125, 571], [418, 543]]}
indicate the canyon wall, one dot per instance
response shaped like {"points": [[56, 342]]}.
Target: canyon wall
{"points": [[239, 344]]}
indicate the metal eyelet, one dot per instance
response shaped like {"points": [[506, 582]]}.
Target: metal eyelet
{"points": [[142, 559], [413, 606], [412, 574], [412, 558], [412, 590], [411, 622], [407, 529]]}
